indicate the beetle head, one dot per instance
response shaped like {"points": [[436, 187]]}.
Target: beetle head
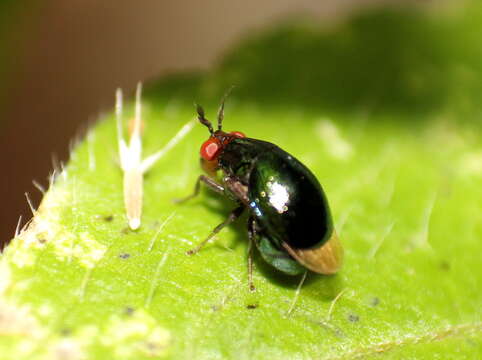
{"points": [[218, 139]]}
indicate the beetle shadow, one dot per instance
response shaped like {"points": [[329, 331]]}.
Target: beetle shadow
{"points": [[323, 287]]}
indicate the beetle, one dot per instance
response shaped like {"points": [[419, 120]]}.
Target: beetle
{"points": [[289, 221]]}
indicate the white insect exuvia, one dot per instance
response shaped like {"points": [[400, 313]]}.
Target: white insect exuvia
{"points": [[130, 155]]}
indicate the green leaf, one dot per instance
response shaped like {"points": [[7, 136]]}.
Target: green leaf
{"points": [[386, 112]]}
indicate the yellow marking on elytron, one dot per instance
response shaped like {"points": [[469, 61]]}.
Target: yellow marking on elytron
{"points": [[326, 259]]}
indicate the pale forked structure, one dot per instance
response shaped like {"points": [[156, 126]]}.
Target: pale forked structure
{"points": [[130, 155]]}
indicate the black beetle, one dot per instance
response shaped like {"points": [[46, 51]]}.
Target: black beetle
{"points": [[289, 218]]}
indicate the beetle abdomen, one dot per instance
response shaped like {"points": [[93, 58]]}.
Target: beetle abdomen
{"points": [[278, 258]]}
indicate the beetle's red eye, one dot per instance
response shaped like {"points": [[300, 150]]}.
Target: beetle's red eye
{"points": [[210, 148], [237, 134]]}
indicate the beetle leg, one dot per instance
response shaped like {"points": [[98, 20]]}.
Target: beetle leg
{"points": [[213, 185], [237, 188], [232, 216], [251, 237]]}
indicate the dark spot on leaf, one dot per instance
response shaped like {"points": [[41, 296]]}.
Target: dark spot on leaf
{"points": [[155, 224], [153, 348], [252, 306], [41, 237], [445, 265], [125, 256], [471, 342], [106, 218], [125, 230], [65, 332], [353, 318], [375, 301], [129, 311]]}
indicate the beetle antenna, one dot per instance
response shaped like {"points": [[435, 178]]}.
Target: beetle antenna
{"points": [[221, 108], [202, 119]]}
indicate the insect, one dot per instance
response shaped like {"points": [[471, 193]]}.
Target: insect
{"points": [[289, 218]]}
